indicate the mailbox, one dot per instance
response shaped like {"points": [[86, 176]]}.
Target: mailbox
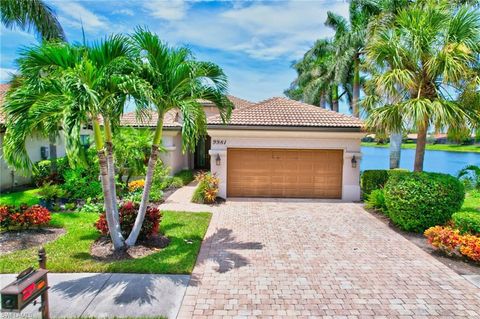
{"points": [[29, 285]]}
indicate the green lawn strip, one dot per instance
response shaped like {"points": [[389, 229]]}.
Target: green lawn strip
{"points": [[433, 147], [28, 197], [70, 252]]}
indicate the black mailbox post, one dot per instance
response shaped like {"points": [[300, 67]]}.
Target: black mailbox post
{"points": [[29, 285]]}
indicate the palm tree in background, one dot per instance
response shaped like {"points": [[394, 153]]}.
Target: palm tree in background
{"points": [[428, 50], [177, 81], [350, 36], [31, 14], [315, 82]]}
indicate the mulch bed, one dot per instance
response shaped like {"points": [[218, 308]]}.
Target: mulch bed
{"points": [[102, 249], [14, 240], [460, 265]]}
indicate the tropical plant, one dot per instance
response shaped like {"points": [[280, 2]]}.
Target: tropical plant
{"points": [[72, 86], [470, 176], [207, 188], [177, 81], [428, 48], [132, 150], [28, 14], [349, 39], [315, 82], [24, 216]]}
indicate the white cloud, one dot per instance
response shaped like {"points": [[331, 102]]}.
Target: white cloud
{"points": [[127, 12], [75, 15], [263, 31], [6, 74], [167, 10]]}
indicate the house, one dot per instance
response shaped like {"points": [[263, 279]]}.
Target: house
{"points": [[275, 148], [38, 148]]}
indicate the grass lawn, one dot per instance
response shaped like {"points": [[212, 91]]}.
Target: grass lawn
{"points": [[433, 147], [29, 197], [472, 203], [70, 252]]}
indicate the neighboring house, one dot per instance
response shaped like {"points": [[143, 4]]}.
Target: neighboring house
{"points": [[275, 148], [37, 147]]}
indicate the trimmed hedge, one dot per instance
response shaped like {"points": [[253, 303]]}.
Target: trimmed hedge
{"points": [[416, 201], [376, 179], [373, 179], [467, 222]]}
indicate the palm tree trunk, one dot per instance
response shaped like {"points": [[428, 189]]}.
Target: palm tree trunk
{"points": [[132, 238], [53, 152], [395, 149], [335, 98], [111, 171], [356, 86], [420, 148], [113, 227]]}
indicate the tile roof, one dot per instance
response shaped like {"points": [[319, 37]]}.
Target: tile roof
{"points": [[149, 119], [280, 111], [3, 90], [172, 118]]}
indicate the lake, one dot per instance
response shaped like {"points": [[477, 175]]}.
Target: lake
{"points": [[435, 161]]}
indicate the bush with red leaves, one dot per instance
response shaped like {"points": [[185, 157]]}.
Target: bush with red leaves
{"points": [[128, 212], [24, 216]]}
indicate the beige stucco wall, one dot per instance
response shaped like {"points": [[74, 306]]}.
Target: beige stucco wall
{"points": [[174, 157], [346, 141]]}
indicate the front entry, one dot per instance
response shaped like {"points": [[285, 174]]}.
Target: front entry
{"points": [[296, 173], [201, 156]]}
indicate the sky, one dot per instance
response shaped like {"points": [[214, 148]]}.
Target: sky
{"points": [[255, 42]]}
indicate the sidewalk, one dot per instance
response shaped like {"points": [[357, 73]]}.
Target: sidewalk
{"points": [[109, 295]]}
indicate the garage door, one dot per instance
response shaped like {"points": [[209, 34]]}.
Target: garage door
{"points": [[284, 173]]}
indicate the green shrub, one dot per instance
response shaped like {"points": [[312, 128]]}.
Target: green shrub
{"points": [[376, 200], [42, 172], [156, 195], [176, 182], [50, 192], [82, 184], [186, 176], [467, 222], [373, 179], [416, 201]]}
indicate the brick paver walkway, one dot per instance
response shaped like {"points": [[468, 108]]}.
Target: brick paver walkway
{"points": [[318, 259]]}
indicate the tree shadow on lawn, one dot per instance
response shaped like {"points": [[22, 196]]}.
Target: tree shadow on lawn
{"points": [[123, 288]]}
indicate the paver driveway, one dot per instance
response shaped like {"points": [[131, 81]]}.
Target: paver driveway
{"points": [[318, 259]]}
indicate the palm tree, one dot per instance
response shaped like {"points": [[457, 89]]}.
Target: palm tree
{"points": [[28, 14], [315, 82], [177, 81], [428, 49], [349, 42], [75, 85]]}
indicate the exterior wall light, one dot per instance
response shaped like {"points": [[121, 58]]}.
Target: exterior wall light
{"points": [[218, 161], [354, 161]]}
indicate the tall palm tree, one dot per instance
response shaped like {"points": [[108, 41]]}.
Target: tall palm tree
{"points": [[31, 14], [177, 81], [75, 85], [349, 42], [315, 82], [428, 49]]}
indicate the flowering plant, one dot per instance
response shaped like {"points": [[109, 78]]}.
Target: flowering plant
{"points": [[24, 216], [451, 242], [128, 213], [136, 185]]}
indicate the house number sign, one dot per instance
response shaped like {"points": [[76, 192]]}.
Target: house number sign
{"points": [[219, 142]]}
